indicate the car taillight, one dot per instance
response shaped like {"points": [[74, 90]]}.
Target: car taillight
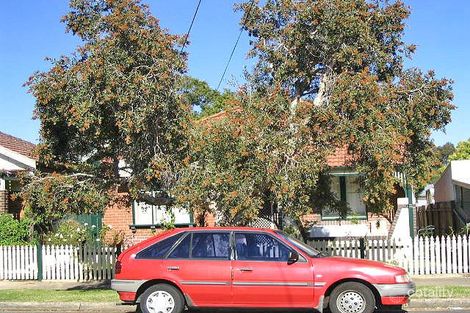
{"points": [[117, 267]]}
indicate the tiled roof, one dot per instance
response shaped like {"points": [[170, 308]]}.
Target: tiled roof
{"points": [[17, 145], [218, 116], [341, 158]]}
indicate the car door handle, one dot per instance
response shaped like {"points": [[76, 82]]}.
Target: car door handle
{"points": [[245, 269], [173, 268]]}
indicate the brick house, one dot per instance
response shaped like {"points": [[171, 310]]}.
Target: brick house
{"points": [[138, 221], [16, 155]]}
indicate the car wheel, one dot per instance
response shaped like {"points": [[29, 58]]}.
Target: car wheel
{"points": [[162, 298], [352, 297]]}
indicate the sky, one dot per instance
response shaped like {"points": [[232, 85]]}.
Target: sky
{"points": [[30, 30]]}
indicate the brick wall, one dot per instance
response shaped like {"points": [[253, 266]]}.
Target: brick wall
{"points": [[3, 201], [118, 215]]}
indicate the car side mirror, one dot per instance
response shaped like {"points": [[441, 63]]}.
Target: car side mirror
{"points": [[293, 257]]}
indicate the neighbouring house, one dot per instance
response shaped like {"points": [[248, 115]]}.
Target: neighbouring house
{"points": [[426, 196], [16, 155], [453, 187]]}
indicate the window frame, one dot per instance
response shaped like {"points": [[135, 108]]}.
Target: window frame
{"points": [[343, 197], [228, 258], [175, 244]]}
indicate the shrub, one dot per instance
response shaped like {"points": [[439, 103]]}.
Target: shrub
{"points": [[69, 232], [14, 232], [111, 237]]}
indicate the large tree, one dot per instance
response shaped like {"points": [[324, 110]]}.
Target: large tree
{"points": [[462, 151], [443, 152], [338, 67], [110, 113], [204, 100]]}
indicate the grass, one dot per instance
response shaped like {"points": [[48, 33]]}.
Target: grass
{"points": [[441, 292], [43, 295], [106, 295]]}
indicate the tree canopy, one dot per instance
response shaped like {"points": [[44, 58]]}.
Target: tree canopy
{"points": [[111, 109], [444, 152], [329, 74], [462, 151], [204, 100]]}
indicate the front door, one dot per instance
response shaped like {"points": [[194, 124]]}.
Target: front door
{"points": [[263, 278], [201, 265]]}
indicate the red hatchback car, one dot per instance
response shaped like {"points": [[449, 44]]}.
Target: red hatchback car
{"points": [[251, 268]]}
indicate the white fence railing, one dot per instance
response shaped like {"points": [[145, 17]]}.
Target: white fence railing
{"points": [[419, 256], [57, 262]]}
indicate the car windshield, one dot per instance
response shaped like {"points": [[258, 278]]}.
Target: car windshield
{"points": [[302, 246]]}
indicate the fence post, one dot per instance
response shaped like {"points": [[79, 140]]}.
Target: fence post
{"points": [[39, 259], [362, 248]]}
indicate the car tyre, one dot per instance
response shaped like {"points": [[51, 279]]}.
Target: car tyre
{"points": [[352, 297], [162, 298]]}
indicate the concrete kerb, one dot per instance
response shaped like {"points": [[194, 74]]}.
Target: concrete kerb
{"points": [[418, 304], [448, 303]]}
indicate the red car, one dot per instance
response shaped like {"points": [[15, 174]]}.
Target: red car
{"points": [[251, 268]]}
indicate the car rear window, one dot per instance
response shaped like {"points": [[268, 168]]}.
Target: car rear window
{"points": [[159, 249]]}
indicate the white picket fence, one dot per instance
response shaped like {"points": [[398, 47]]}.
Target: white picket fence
{"points": [[419, 256], [58, 262]]}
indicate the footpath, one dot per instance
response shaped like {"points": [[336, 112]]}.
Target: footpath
{"points": [[435, 296]]}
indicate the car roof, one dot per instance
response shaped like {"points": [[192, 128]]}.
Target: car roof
{"points": [[168, 233], [226, 228]]}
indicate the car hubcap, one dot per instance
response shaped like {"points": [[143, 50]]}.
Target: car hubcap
{"points": [[351, 302], [160, 302]]}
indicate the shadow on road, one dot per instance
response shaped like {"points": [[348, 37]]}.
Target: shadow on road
{"points": [[260, 310]]}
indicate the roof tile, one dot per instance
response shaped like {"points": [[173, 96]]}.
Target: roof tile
{"points": [[17, 145]]}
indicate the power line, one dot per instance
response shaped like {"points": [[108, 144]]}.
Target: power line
{"points": [[190, 26], [235, 46]]}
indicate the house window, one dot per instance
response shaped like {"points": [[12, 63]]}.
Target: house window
{"points": [[346, 188], [146, 215], [462, 197]]}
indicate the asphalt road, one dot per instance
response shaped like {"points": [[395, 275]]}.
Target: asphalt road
{"points": [[29, 310]]}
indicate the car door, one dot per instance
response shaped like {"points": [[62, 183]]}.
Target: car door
{"points": [[263, 278], [201, 265]]}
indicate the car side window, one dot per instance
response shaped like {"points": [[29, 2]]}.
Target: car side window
{"points": [[210, 245], [159, 249], [260, 247], [182, 250]]}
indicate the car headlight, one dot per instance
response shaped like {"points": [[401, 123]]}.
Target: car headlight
{"points": [[400, 279]]}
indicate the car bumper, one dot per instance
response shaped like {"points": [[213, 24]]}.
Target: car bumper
{"points": [[126, 285], [395, 294], [127, 289], [394, 290]]}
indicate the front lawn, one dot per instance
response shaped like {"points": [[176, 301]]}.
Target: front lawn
{"points": [[44, 295], [105, 295], [435, 292]]}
